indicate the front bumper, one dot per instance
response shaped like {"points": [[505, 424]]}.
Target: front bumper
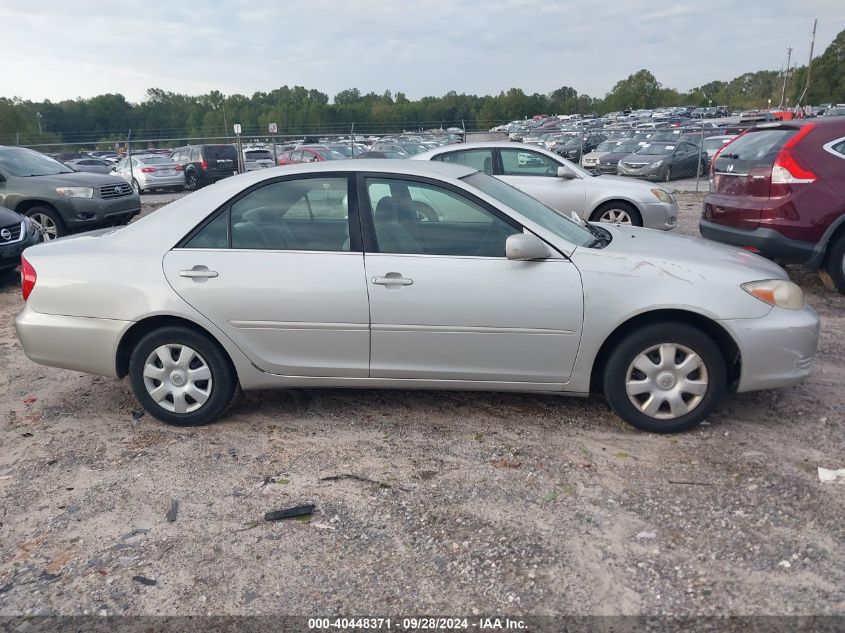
{"points": [[94, 212], [776, 350], [601, 168], [10, 254], [78, 343], [659, 215], [641, 172], [767, 242]]}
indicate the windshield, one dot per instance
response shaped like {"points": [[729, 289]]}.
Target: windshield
{"points": [[656, 149], [531, 208], [607, 146], [26, 162], [627, 147]]}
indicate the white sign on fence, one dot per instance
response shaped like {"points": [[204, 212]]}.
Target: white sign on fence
{"points": [[237, 128], [273, 128]]}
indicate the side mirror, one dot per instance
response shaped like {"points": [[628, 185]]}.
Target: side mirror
{"points": [[525, 247], [565, 173]]}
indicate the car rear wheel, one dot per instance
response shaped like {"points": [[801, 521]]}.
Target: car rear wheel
{"points": [[191, 181], [48, 222], [833, 274], [181, 377], [617, 213], [665, 377]]}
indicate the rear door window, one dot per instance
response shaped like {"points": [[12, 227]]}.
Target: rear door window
{"points": [[757, 148]]}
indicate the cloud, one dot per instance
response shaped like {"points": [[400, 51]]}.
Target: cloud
{"points": [[422, 47]]}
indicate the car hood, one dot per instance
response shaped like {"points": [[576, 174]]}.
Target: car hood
{"points": [[621, 186], [683, 257], [613, 157], [7, 216], [75, 179]]}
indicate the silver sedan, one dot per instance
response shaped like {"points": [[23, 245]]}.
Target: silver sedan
{"points": [[565, 186], [409, 274]]}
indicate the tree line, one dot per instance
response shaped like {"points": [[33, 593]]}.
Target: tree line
{"points": [[297, 110]]}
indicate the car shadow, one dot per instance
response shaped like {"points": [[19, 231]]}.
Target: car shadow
{"points": [[10, 278]]}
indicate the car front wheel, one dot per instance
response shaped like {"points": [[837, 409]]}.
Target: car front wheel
{"points": [[665, 377], [48, 222], [181, 376]]}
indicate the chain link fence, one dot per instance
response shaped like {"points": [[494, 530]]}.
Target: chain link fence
{"points": [[677, 156]]}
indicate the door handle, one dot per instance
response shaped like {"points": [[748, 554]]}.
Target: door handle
{"points": [[392, 281], [198, 272]]}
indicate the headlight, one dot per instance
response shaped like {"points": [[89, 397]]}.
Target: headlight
{"points": [[776, 292], [657, 164], [662, 195], [75, 192]]}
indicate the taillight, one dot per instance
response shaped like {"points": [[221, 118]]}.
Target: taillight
{"points": [[28, 278], [204, 164], [178, 167], [148, 170]]}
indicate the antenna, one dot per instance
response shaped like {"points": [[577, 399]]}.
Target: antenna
{"points": [[809, 63]]}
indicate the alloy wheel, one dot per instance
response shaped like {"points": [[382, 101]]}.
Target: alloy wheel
{"points": [[45, 225], [616, 216], [666, 381], [177, 378]]}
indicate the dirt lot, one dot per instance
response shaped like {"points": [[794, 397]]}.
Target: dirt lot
{"points": [[466, 503]]}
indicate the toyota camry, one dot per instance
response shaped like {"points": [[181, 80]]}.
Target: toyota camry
{"points": [[409, 274]]}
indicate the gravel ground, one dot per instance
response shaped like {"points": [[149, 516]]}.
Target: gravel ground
{"points": [[439, 502]]}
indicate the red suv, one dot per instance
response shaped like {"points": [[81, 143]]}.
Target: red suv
{"points": [[309, 154], [779, 190]]}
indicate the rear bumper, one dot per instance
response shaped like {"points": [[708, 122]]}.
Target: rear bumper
{"points": [[78, 343], [768, 242], [776, 350]]}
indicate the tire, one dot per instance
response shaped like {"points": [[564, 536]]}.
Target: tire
{"points": [[667, 175], [833, 273], [693, 407], [160, 391], [136, 187], [607, 211], [191, 181], [49, 222]]}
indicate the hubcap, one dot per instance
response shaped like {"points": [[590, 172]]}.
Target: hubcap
{"points": [[616, 216], [46, 225], [177, 378], [666, 381]]}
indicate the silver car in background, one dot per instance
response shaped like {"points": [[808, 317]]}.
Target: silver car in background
{"points": [[409, 274], [91, 165], [146, 172], [258, 158], [565, 186]]}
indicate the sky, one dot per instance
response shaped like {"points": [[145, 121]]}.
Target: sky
{"points": [[66, 50]]}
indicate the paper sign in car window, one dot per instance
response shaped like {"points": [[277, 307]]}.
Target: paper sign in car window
{"points": [[670, 147]]}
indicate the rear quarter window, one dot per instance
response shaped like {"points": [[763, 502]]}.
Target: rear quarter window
{"points": [[220, 152]]}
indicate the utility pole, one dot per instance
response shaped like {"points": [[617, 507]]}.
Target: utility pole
{"points": [[785, 76], [38, 116], [809, 63]]}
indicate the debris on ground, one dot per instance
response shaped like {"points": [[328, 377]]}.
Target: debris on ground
{"points": [[149, 582], [366, 480], [137, 414], [290, 513], [827, 476], [174, 509]]}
